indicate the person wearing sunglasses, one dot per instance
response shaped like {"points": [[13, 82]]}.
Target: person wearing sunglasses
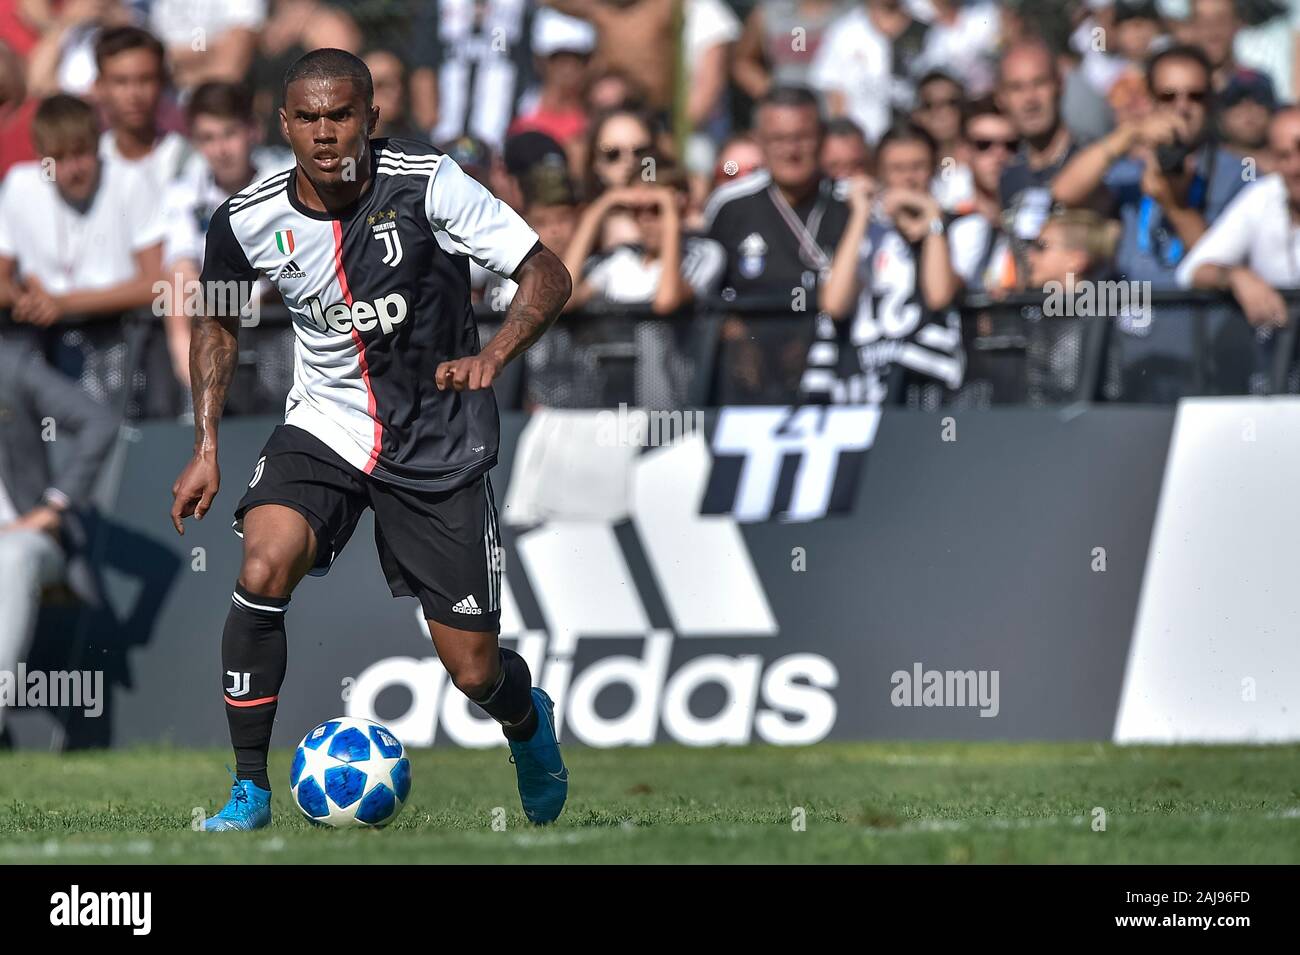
{"points": [[980, 245], [939, 104], [619, 152], [1164, 177]]}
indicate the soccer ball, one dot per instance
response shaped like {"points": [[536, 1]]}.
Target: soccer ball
{"points": [[350, 772]]}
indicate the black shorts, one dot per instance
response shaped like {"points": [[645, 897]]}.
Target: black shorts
{"points": [[441, 547]]}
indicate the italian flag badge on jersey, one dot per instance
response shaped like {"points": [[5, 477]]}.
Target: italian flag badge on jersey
{"points": [[284, 241]]}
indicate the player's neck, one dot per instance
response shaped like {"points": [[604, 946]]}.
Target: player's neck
{"points": [[331, 200]]}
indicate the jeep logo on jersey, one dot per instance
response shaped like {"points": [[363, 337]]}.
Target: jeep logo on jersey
{"points": [[387, 312]]}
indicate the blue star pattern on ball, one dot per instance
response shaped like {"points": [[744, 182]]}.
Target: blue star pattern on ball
{"points": [[350, 772]]}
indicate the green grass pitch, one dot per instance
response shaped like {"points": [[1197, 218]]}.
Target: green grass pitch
{"points": [[870, 802]]}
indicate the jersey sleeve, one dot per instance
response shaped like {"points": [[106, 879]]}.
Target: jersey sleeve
{"points": [[468, 220], [223, 257]]}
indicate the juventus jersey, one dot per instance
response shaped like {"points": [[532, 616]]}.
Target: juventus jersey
{"points": [[379, 295]]}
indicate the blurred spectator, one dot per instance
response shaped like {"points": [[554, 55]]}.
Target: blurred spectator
{"points": [[16, 112], [42, 537], [1271, 43], [893, 277], [663, 269], [1028, 94], [550, 206], [208, 39], [779, 41], [1075, 245], [1215, 24], [981, 251], [962, 40], [620, 151], [739, 156], [78, 236], [1245, 108], [63, 59], [562, 46], [1166, 179], [635, 35], [779, 226], [845, 152], [224, 134], [1138, 32], [472, 62], [1253, 249], [128, 90], [939, 104], [388, 74], [294, 27], [868, 62], [709, 33], [610, 89]]}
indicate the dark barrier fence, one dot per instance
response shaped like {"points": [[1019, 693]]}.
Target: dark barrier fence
{"points": [[754, 351]]}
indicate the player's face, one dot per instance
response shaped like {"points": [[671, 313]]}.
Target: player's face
{"points": [[328, 125], [129, 87], [1027, 92], [226, 144]]}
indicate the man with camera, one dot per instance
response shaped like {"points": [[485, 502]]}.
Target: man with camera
{"points": [[1166, 178]]}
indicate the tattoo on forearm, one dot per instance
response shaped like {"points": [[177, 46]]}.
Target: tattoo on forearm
{"points": [[544, 287], [214, 350]]}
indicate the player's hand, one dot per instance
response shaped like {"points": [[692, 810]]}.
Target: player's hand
{"points": [[467, 374], [194, 490]]}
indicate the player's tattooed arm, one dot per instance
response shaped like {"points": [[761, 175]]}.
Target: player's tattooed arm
{"points": [[214, 350], [544, 287]]}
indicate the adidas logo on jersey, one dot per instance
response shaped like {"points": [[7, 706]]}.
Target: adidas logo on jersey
{"points": [[468, 605], [387, 312], [290, 270]]}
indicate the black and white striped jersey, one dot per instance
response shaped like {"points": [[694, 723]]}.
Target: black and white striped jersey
{"points": [[380, 295]]}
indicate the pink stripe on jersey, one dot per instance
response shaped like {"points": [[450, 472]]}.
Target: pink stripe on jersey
{"points": [[361, 349]]}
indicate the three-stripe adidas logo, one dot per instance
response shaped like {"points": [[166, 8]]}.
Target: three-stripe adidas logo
{"points": [[291, 270], [467, 605]]}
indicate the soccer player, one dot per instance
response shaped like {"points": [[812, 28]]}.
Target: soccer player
{"points": [[369, 243]]}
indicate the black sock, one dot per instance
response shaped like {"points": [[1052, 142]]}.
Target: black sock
{"points": [[254, 653], [510, 701]]}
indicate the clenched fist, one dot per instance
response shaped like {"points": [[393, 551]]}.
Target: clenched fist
{"points": [[471, 373]]}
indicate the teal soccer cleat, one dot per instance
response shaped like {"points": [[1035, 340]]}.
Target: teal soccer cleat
{"points": [[249, 808], [543, 778]]}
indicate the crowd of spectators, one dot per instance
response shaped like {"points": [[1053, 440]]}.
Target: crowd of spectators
{"points": [[868, 163]]}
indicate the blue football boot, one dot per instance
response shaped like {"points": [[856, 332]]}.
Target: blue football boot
{"points": [[543, 778], [249, 808]]}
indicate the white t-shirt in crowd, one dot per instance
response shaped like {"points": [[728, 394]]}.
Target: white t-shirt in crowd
{"points": [[67, 250], [1255, 230], [856, 60], [175, 22], [622, 275], [966, 47], [159, 168], [194, 195]]}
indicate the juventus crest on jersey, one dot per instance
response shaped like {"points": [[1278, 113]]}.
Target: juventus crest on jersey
{"points": [[380, 295]]}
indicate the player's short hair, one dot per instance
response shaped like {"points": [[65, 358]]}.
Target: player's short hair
{"points": [[122, 39], [331, 64], [62, 121], [222, 100], [1179, 51]]}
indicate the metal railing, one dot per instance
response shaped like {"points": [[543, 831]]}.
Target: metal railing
{"points": [[753, 351]]}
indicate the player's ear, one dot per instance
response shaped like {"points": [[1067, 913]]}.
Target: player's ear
{"points": [[284, 124], [374, 120]]}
